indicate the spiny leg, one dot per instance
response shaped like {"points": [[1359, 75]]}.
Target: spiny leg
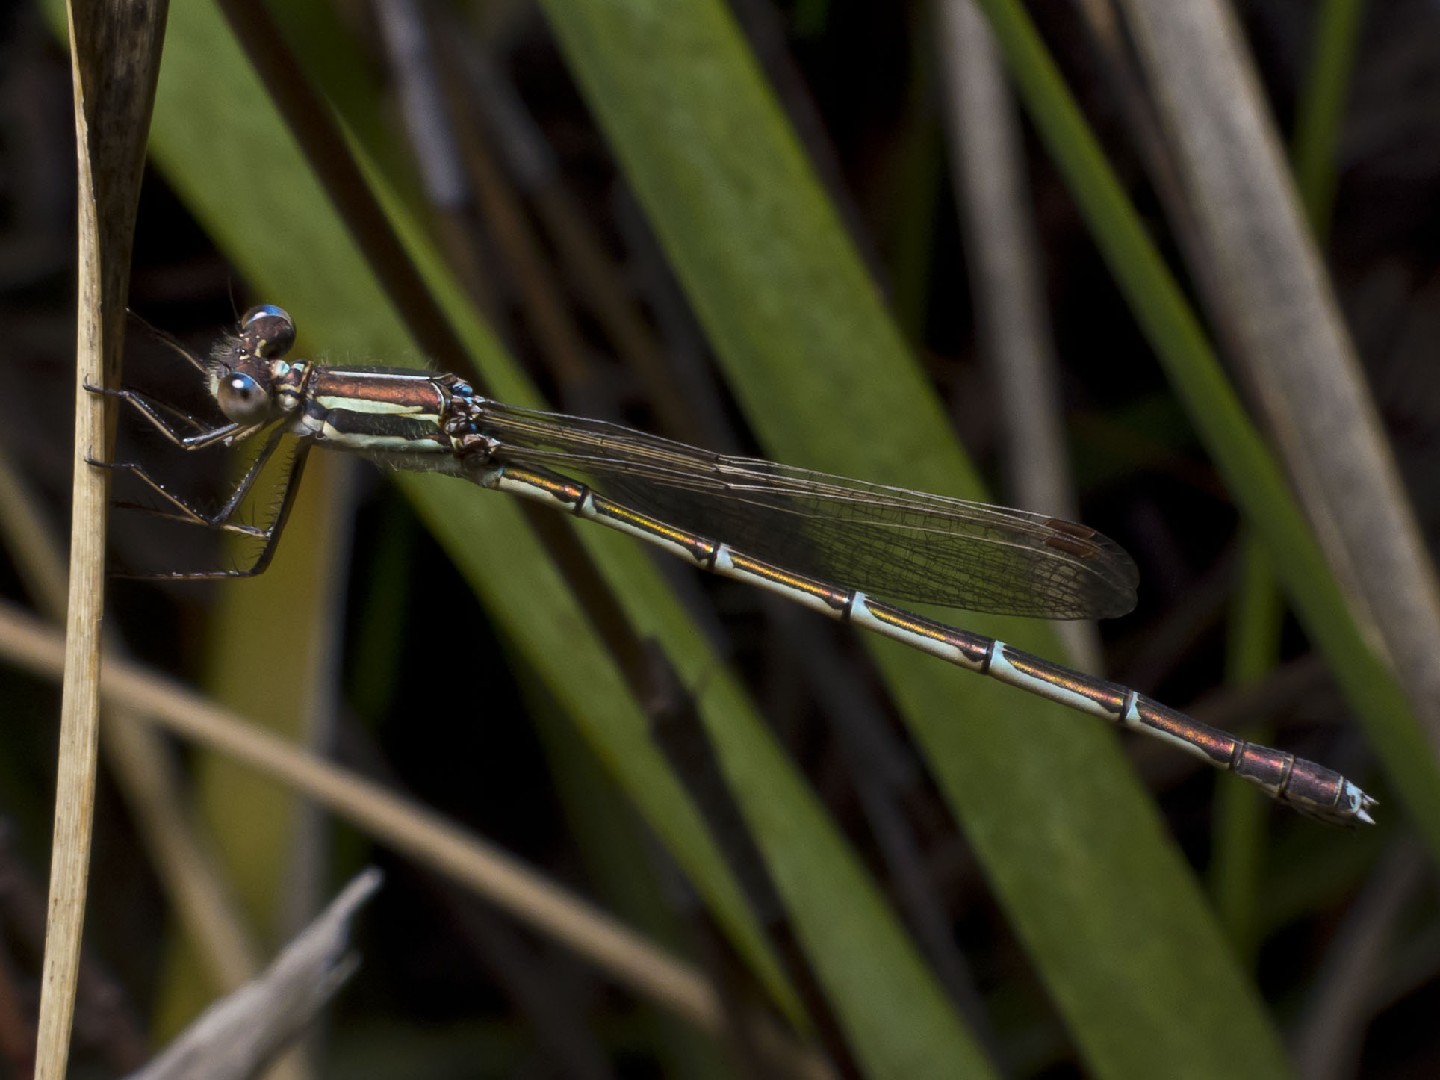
{"points": [[179, 418], [185, 512], [222, 518], [277, 524], [155, 412]]}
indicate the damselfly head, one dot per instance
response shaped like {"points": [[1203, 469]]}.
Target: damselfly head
{"points": [[240, 368]]}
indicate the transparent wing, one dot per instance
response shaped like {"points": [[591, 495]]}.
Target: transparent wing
{"points": [[905, 545]]}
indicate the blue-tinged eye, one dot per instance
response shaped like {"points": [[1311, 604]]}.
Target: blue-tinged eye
{"points": [[242, 399], [267, 331]]}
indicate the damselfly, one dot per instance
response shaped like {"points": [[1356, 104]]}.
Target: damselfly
{"points": [[823, 541]]}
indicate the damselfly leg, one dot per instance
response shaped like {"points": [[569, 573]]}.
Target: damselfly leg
{"points": [[187, 432]]}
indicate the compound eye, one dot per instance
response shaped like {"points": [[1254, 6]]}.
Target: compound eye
{"points": [[242, 399], [267, 331]]}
